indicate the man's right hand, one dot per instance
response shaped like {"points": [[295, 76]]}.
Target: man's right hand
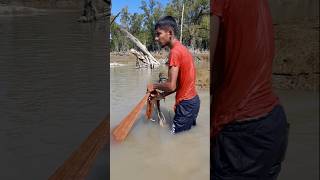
{"points": [[156, 96]]}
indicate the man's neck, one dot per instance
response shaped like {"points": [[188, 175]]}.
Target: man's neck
{"points": [[172, 43]]}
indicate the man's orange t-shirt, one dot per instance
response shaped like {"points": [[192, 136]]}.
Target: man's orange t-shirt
{"points": [[180, 57], [243, 61]]}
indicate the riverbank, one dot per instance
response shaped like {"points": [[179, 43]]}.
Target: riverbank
{"points": [[20, 7], [44, 4], [16, 10], [202, 64], [202, 56], [296, 63]]}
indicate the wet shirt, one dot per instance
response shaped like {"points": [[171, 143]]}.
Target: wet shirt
{"points": [[180, 57], [243, 61]]}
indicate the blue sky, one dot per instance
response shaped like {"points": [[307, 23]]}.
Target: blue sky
{"points": [[133, 5]]}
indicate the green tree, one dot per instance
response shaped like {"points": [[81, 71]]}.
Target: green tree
{"points": [[197, 20], [152, 12], [124, 18], [136, 27]]}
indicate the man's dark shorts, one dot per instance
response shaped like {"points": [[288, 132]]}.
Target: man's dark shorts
{"points": [[186, 113], [251, 150]]}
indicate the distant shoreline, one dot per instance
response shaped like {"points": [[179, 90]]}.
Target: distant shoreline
{"points": [[45, 4], [118, 59], [32, 10], [201, 55], [22, 10]]}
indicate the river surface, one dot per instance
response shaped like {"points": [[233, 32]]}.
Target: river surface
{"points": [[302, 158], [53, 92], [150, 151]]}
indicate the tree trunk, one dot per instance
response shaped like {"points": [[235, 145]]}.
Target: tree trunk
{"points": [[181, 28], [141, 47]]}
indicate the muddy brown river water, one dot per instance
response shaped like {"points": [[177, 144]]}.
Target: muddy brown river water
{"points": [[150, 151], [53, 92]]}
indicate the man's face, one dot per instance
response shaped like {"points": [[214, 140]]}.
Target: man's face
{"points": [[163, 37]]}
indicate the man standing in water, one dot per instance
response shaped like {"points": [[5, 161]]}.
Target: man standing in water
{"points": [[181, 76], [249, 130]]}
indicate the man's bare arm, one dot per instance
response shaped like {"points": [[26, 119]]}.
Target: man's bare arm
{"points": [[164, 94], [171, 84]]}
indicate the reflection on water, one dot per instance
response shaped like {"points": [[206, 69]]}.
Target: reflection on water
{"points": [[52, 91], [151, 152]]}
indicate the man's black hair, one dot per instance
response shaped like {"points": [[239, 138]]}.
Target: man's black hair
{"points": [[167, 22]]}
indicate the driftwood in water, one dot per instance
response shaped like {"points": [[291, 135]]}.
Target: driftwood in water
{"points": [[142, 60], [141, 47], [78, 165]]}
